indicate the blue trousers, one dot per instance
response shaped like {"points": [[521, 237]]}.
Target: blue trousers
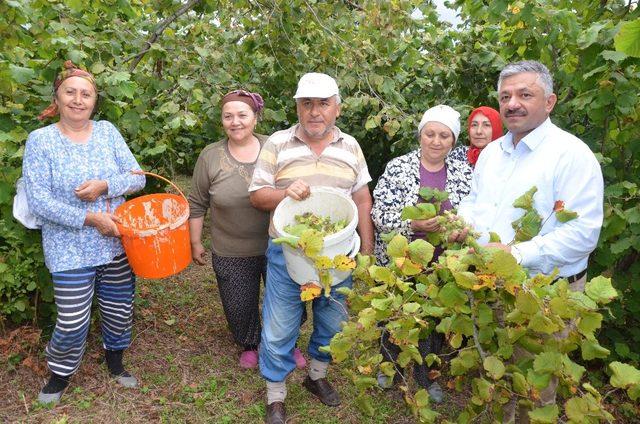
{"points": [[114, 284], [281, 313]]}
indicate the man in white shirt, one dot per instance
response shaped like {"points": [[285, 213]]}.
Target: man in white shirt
{"points": [[535, 152]]}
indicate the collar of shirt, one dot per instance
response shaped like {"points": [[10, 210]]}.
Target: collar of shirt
{"points": [[531, 140], [337, 134]]}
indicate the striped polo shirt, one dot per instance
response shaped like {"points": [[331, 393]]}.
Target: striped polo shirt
{"points": [[285, 158]]}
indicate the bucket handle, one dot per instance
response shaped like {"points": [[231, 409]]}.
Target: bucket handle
{"points": [[355, 246], [141, 172]]}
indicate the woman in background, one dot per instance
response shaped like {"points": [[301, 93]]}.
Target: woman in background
{"points": [[484, 127]]}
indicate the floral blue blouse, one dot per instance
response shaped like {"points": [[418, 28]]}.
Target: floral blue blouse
{"points": [[53, 166]]}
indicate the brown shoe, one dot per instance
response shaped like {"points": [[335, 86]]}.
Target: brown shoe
{"points": [[276, 413], [323, 390]]}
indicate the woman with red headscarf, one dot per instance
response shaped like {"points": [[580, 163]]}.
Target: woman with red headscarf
{"points": [[484, 127], [76, 171]]}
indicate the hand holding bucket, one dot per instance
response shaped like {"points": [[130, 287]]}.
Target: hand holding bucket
{"points": [[154, 231]]}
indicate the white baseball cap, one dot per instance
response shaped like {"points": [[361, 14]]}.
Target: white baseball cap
{"points": [[316, 85], [445, 115]]}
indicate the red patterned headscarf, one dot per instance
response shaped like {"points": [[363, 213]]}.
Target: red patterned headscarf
{"points": [[496, 130], [69, 70], [254, 100]]}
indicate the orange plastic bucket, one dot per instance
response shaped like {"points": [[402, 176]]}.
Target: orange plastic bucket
{"points": [[155, 232]]}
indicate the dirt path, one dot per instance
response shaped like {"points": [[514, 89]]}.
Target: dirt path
{"points": [[186, 362]]}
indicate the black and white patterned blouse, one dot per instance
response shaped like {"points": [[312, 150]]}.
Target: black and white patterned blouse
{"points": [[398, 187]]}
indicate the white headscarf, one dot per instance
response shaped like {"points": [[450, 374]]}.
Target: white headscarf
{"points": [[445, 115]]}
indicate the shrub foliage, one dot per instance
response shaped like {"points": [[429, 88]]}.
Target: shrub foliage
{"points": [[163, 65]]}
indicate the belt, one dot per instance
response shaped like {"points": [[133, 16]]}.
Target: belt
{"points": [[573, 278]]}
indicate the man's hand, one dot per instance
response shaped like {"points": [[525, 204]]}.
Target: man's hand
{"points": [[500, 246], [90, 190], [298, 190], [427, 225], [197, 253], [105, 223]]}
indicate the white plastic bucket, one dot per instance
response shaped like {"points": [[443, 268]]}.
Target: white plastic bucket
{"points": [[322, 202]]}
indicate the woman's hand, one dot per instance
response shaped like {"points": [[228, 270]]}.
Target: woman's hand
{"points": [[90, 190], [197, 252], [105, 223], [427, 225]]}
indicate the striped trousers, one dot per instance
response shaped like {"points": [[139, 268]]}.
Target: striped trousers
{"points": [[114, 286]]}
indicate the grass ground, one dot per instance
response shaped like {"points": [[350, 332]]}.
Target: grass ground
{"points": [[186, 361]]}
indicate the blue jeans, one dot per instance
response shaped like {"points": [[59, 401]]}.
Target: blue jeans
{"points": [[281, 313]]}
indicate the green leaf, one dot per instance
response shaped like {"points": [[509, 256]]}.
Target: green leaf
{"points": [[311, 242], [398, 246], [296, 229], [502, 264], [430, 194], [463, 362], [589, 322], [528, 226], [422, 211], [546, 414], [590, 35], [484, 314], [482, 388], [572, 369], [291, 241], [614, 56], [421, 252], [494, 367], [411, 307], [526, 200], [422, 398], [494, 237], [628, 39], [381, 304], [520, 384], [548, 362], [433, 311], [450, 295], [527, 303], [465, 279], [591, 349], [538, 380], [542, 324], [382, 274], [364, 402], [566, 215], [575, 409], [97, 68], [20, 74], [600, 290], [623, 375]]}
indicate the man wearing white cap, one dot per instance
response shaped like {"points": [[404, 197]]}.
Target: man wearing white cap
{"points": [[312, 153], [535, 152]]}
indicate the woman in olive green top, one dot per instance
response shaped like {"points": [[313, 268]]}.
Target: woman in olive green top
{"points": [[239, 232]]}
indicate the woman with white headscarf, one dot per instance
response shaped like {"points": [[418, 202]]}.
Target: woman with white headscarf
{"points": [[428, 166]]}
